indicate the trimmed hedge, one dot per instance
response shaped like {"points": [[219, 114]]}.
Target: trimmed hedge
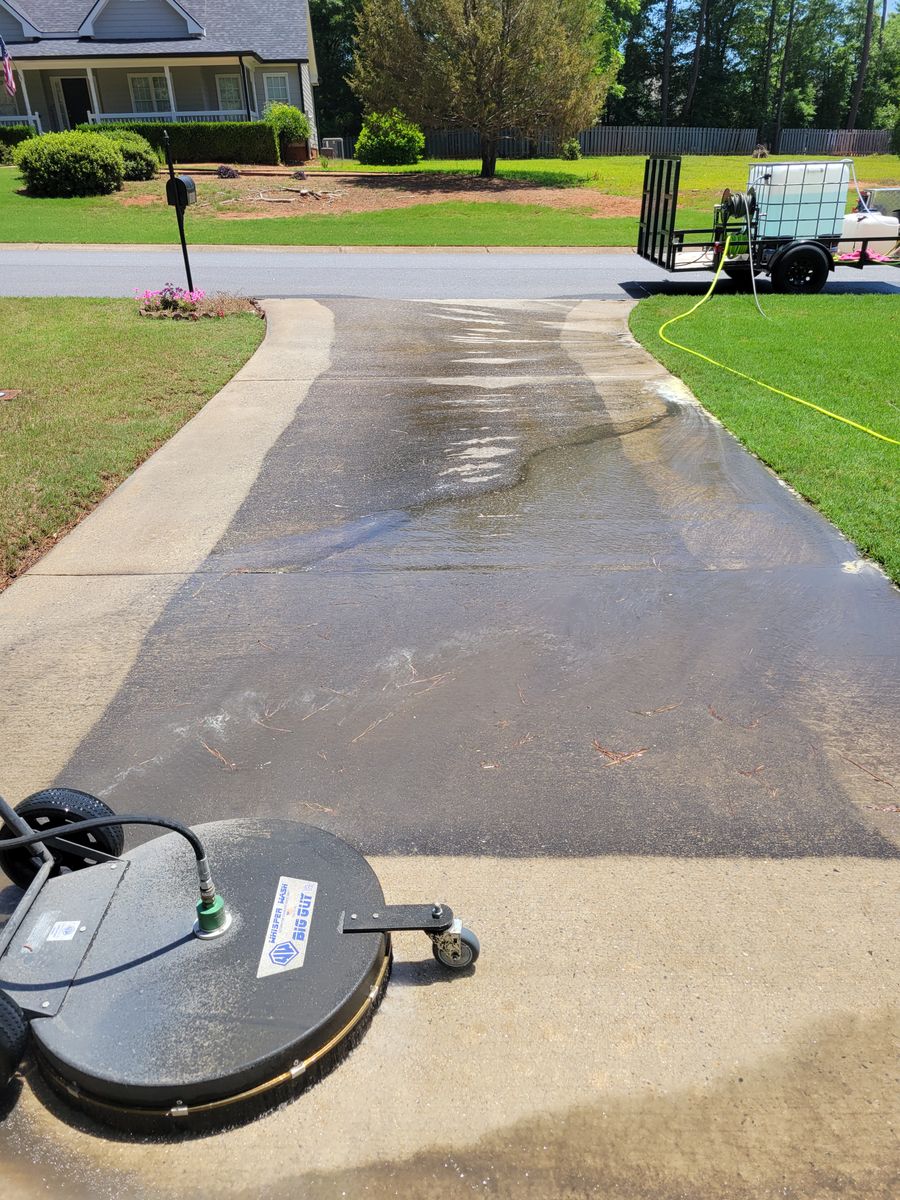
{"points": [[70, 164], [205, 141], [11, 135]]}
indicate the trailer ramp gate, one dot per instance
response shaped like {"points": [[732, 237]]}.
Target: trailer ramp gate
{"points": [[656, 240]]}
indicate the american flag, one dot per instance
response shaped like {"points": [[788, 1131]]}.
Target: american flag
{"points": [[8, 77]]}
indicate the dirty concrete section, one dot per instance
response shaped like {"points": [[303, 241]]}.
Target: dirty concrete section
{"points": [[504, 608]]}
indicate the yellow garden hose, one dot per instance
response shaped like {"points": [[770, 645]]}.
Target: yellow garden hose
{"points": [[740, 374]]}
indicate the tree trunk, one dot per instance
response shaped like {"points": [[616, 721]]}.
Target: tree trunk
{"points": [[695, 65], [884, 8], [863, 66], [763, 95], [782, 77], [488, 156], [667, 63]]}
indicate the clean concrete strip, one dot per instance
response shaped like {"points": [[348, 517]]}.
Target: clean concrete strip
{"points": [[71, 627], [697, 1027]]}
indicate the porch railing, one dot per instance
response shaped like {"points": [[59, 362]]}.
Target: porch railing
{"points": [[218, 114], [34, 121]]}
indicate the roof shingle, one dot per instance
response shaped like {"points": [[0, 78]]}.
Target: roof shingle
{"points": [[272, 30]]}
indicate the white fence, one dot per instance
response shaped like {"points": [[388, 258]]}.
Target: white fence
{"points": [[834, 141], [34, 121]]}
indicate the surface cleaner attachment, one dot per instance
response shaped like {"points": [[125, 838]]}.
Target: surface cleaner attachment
{"points": [[156, 1011]]}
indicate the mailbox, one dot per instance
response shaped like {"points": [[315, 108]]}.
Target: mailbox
{"points": [[181, 191]]}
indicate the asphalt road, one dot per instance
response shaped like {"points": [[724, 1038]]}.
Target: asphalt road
{"points": [[502, 607], [109, 271]]}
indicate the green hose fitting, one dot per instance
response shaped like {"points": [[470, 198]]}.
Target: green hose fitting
{"points": [[212, 917]]}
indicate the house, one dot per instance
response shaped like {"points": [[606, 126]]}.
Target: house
{"points": [[166, 60]]}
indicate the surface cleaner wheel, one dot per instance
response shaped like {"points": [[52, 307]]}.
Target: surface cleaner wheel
{"points": [[49, 810], [469, 949]]}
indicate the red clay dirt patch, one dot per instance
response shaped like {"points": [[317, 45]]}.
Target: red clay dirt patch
{"points": [[373, 194], [254, 197]]}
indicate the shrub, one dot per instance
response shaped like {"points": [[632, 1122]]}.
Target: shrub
{"points": [[207, 141], [389, 139], [141, 160], [288, 123], [5, 154], [70, 164], [570, 149], [11, 135]]}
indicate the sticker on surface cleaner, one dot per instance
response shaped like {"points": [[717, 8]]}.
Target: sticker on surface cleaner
{"points": [[287, 933]]}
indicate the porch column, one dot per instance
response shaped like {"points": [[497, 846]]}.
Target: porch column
{"points": [[171, 88], [28, 111], [95, 95]]}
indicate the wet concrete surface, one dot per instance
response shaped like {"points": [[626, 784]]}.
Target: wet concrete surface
{"points": [[510, 613]]}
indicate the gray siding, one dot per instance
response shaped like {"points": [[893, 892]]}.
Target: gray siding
{"points": [[39, 96], [194, 87], [293, 79], [10, 29], [112, 90], [123, 20], [190, 91], [309, 105]]}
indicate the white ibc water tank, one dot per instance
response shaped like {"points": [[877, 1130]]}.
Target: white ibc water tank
{"points": [[868, 225], [800, 199]]}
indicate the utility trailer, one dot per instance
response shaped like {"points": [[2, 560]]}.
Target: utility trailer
{"points": [[788, 224]]}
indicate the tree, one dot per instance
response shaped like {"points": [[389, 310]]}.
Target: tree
{"points": [[863, 64], [695, 63], [333, 25], [783, 74], [666, 73], [532, 66]]}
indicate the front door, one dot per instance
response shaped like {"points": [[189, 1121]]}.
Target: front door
{"points": [[77, 100]]}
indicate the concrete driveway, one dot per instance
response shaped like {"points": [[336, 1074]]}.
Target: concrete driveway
{"points": [[476, 585]]}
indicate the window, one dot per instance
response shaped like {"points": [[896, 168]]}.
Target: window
{"points": [[230, 93], [277, 89], [149, 93]]}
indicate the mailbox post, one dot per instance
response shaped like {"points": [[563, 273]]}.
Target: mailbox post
{"points": [[181, 191]]}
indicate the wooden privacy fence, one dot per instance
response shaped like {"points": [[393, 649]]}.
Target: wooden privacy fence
{"points": [[834, 141], [601, 139]]}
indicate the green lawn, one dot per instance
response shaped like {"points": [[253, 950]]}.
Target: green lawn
{"points": [[840, 352], [103, 219], [623, 175], [455, 223], [101, 389]]}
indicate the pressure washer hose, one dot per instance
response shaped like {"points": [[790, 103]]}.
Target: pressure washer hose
{"points": [[740, 374], [207, 888]]}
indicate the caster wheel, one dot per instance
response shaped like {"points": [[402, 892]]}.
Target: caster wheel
{"points": [[50, 810], [13, 1037], [469, 949]]}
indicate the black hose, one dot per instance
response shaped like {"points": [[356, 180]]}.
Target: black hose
{"points": [[42, 835]]}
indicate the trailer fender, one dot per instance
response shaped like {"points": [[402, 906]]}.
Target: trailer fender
{"points": [[826, 252]]}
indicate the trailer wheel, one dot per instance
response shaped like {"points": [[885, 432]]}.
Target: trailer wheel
{"points": [[801, 270]]}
